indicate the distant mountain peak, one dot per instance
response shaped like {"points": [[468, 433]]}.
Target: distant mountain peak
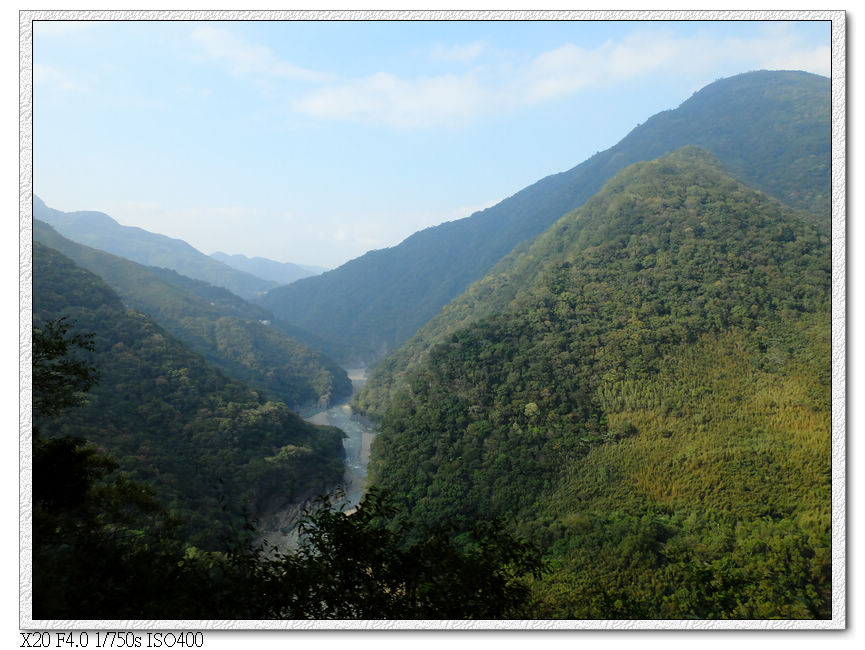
{"points": [[281, 272]]}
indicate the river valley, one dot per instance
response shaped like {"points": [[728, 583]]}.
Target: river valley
{"points": [[280, 528], [360, 433]]}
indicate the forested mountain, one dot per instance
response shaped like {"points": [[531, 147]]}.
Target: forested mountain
{"points": [[747, 151], [652, 407], [230, 304], [210, 446], [769, 129], [229, 332], [281, 272], [100, 231]]}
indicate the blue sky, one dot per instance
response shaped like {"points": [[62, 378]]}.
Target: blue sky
{"points": [[313, 142]]}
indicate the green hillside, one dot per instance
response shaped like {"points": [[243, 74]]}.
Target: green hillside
{"points": [[211, 447], [230, 304], [779, 120], [769, 129], [100, 231], [714, 501], [229, 332], [653, 408]]}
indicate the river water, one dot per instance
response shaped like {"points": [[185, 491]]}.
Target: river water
{"points": [[280, 529], [360, 434]]}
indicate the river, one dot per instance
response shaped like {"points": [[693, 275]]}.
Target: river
{"points": [[360, 435], [280, 529]]}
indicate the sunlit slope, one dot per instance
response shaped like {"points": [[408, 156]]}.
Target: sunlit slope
{"points": [[714, 499], [654, 409], [213, 449], [228, 331], [770, 129]]}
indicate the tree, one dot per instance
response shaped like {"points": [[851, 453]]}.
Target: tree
{"points": [[352, 566], [60, 380], [93, 540]]}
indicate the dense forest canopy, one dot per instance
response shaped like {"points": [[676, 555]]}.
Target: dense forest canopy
{"points": [[609, 360]]}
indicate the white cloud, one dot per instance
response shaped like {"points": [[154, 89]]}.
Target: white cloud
{"points": [[457, 53], [247, 59], [642, 53], [400, 103], [555, 73], [403, 103], [817, 60], [49, 76], [781, 52], [355, 236]]}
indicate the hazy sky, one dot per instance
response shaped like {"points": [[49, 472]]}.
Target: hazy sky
{"points": [[313, 142]]}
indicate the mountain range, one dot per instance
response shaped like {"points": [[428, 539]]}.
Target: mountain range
{"points": [[98, 230], [236, 336], [626, 366], [281, 272], [769, 129]]}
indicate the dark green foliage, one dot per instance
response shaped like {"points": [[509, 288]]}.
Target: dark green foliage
{"points": [[730, 469], [702, 566], [513, 409], [103, 548], [102, 545], [59, 379], [209, 446], [769, 129], [352, 567], [101, 231], [234, 335], [96, 535], [347, 567], [224, 302]]}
